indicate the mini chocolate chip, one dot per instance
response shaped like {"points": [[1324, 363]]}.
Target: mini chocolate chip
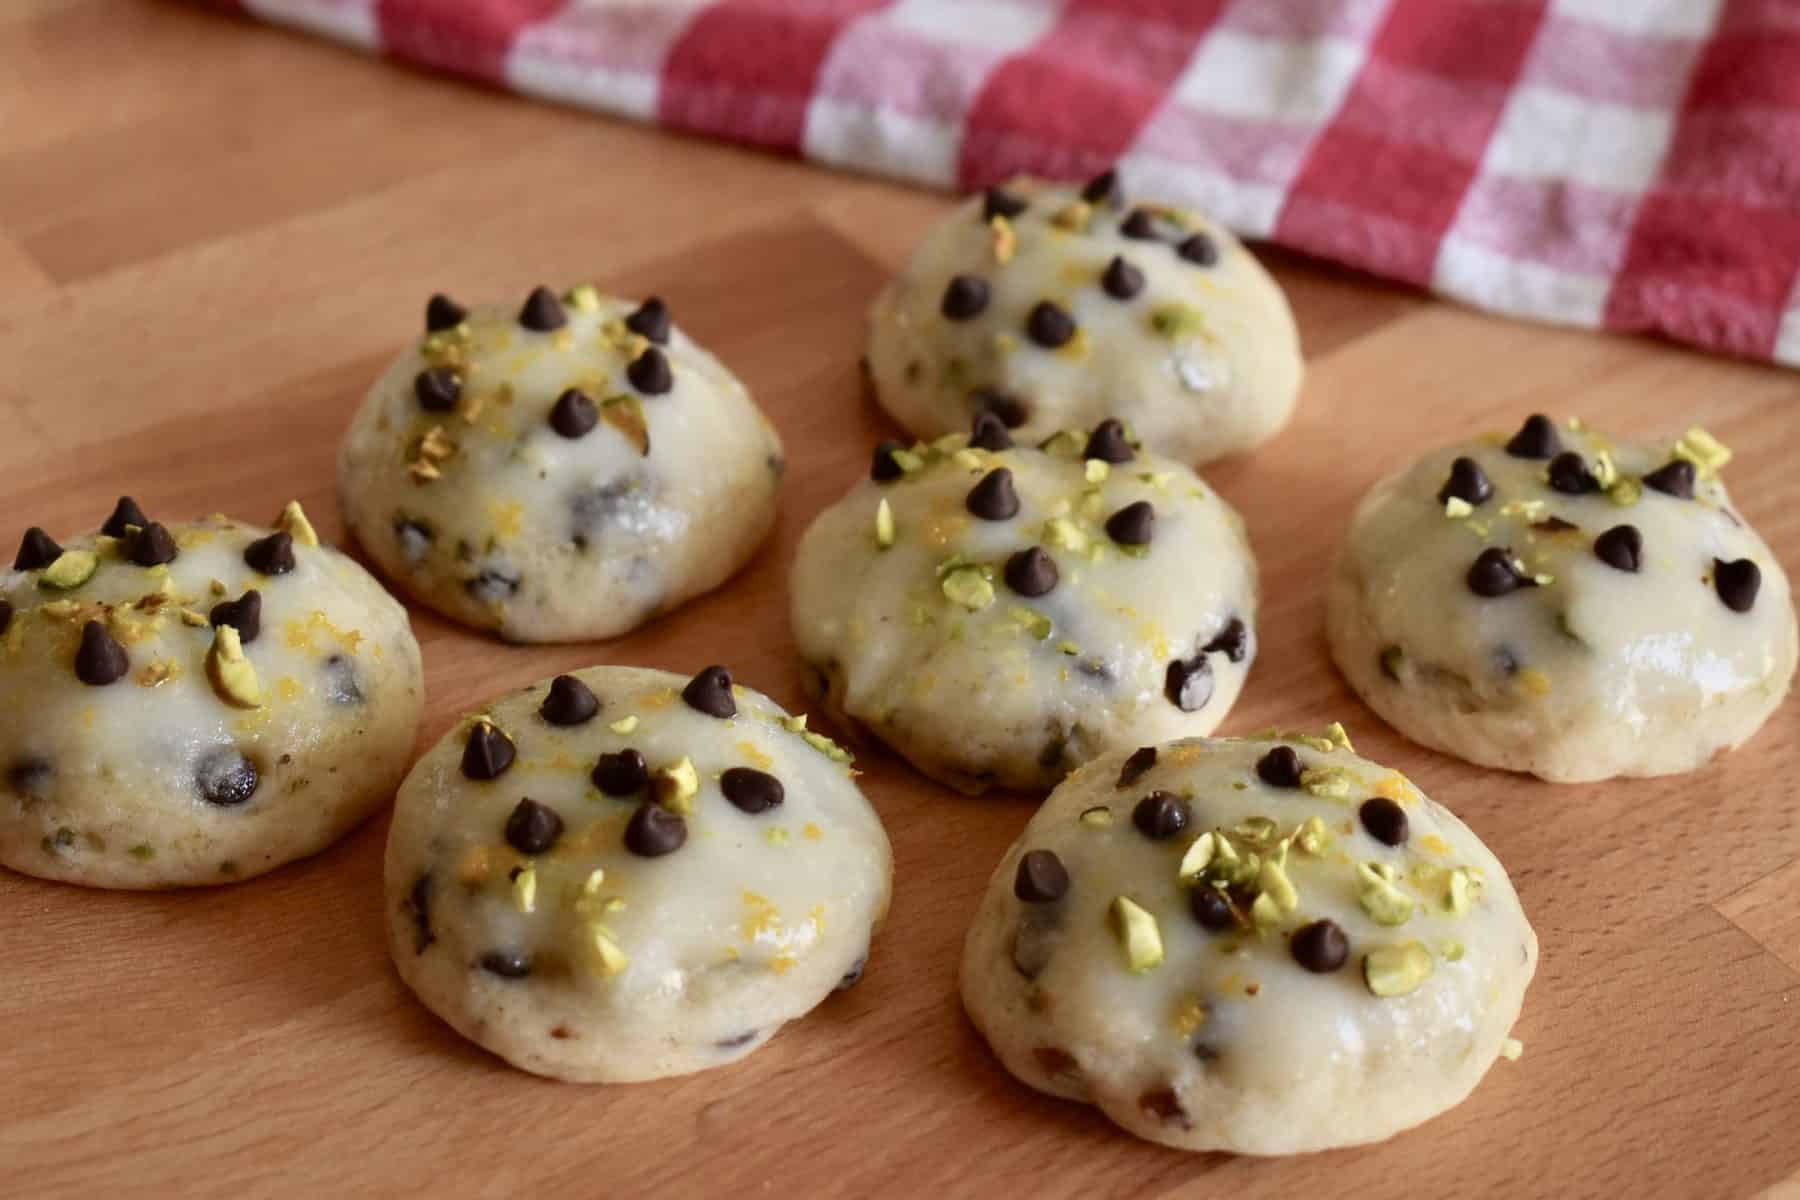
{"points": [[1108, 443], [437, 389], [993, 499], [505, 964], [225, 778], [651, 320], [1165, 1105], [1390, 660], [1035, 939], [1010, 409], [1233, 641], [1139, 225], [1570, 475], [1104, 189], [1132, 525], [488, 752], [1280, 768], [441, 312], [100, 660], [1211, 908], [621, 774], [36, 550], [1737, 583], [573, 415], [152, 546], [1042, 878], [418, 903], [1320, 947], [1467, 482], [966, 297], [1385, 820], [736, 1040], [1160, 815], [1206, 1052], [341, 686], [6, 614], [1493, 574], [243, 614], [710, 692], [1673, 478], [272, 555], [1621, 547], [1505, 661], [542, 311], [654, 831], [30, 776], [1554, 525], [532, 828], [853, 976], [1030, 572], [751, 790], [1001, 203], [1141, 760], [1200, 250], [1121, 280], [989, 433], [1535, 439], [649, 372], [1049, 326], [569, 702], [884, 469], [1188, 683], [124, 514]]}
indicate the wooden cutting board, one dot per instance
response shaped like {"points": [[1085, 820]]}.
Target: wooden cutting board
{"points": [[211, 237]]}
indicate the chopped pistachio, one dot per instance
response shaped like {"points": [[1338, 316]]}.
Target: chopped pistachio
{"points": [[1397, 970], [1064, 533], [625, 413], [1385, 903], [1138, 935], [1197, 858], [605, 958], [1035, 624], [590, 887], [1097, 817], [1257, 831], [1332, 783], [1625, 493], [1265, 911], [1073, 217], [1391, 658], [71, 569], [1189, 1016], [907, 460], [583, 297], [1097, 470], [1336, 734], [1708, 454], [1451, 949], [232, 675], [970, 587], [1005, 239], [826, 746], [677, 785], [524, 890], [1064, 443], [921, 616], [1175, 321], [884, 525], [1313, 838], [1459, 891], [1277, 886], [1606, 472], [1511, 1049], [1456, 508], [293, 522], [624, 724], [794, 724]]}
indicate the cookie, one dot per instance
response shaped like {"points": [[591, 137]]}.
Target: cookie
{"points": [[1562, 603], [1265, 946], [1000, 613], [1054, 307], [562, 470], [623, 874], [194, 703]]}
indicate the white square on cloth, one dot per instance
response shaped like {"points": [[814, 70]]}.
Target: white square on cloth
{"points": [[999, 25], [1244, 75], [1544, 133]]}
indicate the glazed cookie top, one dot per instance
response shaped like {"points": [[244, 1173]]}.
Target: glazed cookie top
{"points": [[1258, 909], [1564, 568], [624, 832]]}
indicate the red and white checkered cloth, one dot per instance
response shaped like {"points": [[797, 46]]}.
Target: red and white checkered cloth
{"points": [[1624, 164]]}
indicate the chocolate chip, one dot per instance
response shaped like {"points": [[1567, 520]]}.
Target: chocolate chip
{"points": [[152, 546], [36, 551], [124, 514], [573, 415], [1141, 760], [1535, 439], [418, 904], [488, 752], [1108, 443], [1132, 525], [1001, 203], [1034, 940], [989, 433], [341, 686], [1200, 250], [542, 311], [852, 977], [1139, 225], [225, 778], [1165, 1105], [649, 372], [243, 614], [441, 312], [651, 320], [1554, 525], [1467, 482], [569, 702], [751, 790], [532, 828], [1280, 768], [621, 774], [437, 389], [1104, 189], [1320, 947], [1737, 583], [492, 585], [1211, 908], [965, 298], [710, 692], [1188, 683], [6, 615], [993, 499], [1385, 820], [272, 555], [736, 1040], [505, 964], [1041, 879], [1010, 409], [1160, 815], [1049, 326], [884, 469], [1493, 574], [100, 660], [1673, 478], [1121, 280], [30, 777], [1030, 572], [1570, 475], [1233, 641], [654, 831], [1621, 547]]}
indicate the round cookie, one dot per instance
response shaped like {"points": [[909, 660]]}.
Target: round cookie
{"points": [[562, 471], [1565, 604], [194, 703], [1054, 307], [622, 874], [1000, 614], [1266, 946]]}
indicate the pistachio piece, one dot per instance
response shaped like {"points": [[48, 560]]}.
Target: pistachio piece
{"points": [[624, 724], [231, 674], [1456, 508], [969, 586], [1096, 470], [1005, 240], [1198, 857], [605, 959], [1385, 903], [1276, 885], [1174, 321], [1265, 911], [1065, 534], [907, 460], [1459, 890], [677, 785], [1708, 454], [1397, 970], [1138, 935], [1035, 624], [1329, 783], [884, 525], [1511, 1049], [583, 297], [826, 746], [71, 569], [1338, 736], [293, 522], [625, 413], [524, 890], [1314, 837], [1098, 817]]}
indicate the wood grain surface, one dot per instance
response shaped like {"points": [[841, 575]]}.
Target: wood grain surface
{"points": [[211, 237]]}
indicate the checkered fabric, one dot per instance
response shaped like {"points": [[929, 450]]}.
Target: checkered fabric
{"points": [[1619, 164]]}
